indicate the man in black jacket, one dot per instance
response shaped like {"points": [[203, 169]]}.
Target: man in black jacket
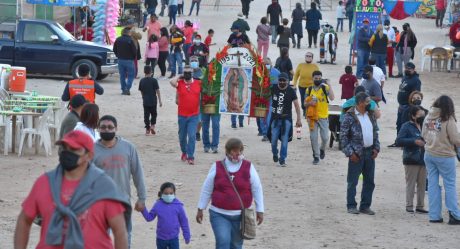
{"points": [[125, 49]]}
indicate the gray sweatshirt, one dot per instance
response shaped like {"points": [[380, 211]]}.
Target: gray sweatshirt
{"points": [[120, 162]]}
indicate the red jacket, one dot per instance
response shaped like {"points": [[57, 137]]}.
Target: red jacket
{"points": [[441, 4], [454, 29]]}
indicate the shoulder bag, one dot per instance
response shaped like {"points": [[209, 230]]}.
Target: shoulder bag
{"points": [[248, 221]]}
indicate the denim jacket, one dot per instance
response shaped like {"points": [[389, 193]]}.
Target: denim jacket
{"points": [[351, 134], [406, 138]]}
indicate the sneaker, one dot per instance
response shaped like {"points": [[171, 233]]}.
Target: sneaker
{"points": [[152, 130], [315, 161], [367, 211], [124, 92], [322, 154], [409, 210], [353, 211], [437, 221], [190, 161], [421, 211], [275, 159], [147, 131], [215, 151], [283, 163], [233, 126], [392, 145], [128, 92], [453, 220], [260, 134], [265, 139], [171, 76], [241, 125], [183, 157], [206, 150], [198, 136]]}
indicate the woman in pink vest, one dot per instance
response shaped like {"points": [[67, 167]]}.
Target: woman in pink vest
{"points": [[225, 209]]}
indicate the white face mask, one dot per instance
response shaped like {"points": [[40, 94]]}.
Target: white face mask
{"points": [[234, 159], [168, 198]]}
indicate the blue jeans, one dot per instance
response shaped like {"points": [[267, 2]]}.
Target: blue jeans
{"points": [[280, 126], [215, 119], [363, 60], [126, 70], [187, 129], [150, 11], [174, 58], [380, 60], [197, 7], [172, 14], [365, 166], [226, 230], [240, 120], [302, 91], [168, 244], [339, 23], [274, 33], [185, 48], [444, 166]]}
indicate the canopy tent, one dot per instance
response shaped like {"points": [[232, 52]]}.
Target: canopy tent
{"points": [[400, 10]]}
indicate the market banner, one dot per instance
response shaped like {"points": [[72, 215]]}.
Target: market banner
{"points": [[427, 9], [400, 10], [59, 2]]}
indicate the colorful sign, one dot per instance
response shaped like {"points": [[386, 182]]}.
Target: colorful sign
{"points": [[427, 9], [235, 90], [369, 6], [59, 2]]}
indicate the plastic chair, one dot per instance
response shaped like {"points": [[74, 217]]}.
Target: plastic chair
{"points": [[55, 124], [41, 131], [439, 55], [426, 55]]}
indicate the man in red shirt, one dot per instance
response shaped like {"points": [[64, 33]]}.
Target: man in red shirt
{"points": [[188, 92], [152, 26], [76, 203], [454, 30]]}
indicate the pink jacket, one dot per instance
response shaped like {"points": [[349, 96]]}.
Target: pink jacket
{"points": [[152, 50], [441, 4]]}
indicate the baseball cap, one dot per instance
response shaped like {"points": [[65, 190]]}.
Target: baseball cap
{"points": [[77, 140], [77, 101], [240, 15], [366, 20], [197, 36], [235, 26], [283, 76], [410, 65], [386, 23]]}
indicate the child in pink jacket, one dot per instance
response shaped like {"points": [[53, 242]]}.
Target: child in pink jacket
{"points": [[152, 52]]}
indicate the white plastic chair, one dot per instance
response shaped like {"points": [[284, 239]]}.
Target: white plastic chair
{"points": [[55, 124], [41, 131], [5, 126], [426, 56]]}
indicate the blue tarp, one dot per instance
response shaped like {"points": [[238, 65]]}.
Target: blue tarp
{"points": [[60, 2]]}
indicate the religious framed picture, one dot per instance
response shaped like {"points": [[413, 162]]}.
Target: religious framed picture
{"points": [[236, 90]]}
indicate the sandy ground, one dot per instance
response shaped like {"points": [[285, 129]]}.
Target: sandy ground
{"points": [[305, 205]]}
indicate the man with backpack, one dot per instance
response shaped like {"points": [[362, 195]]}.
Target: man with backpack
{"points": [[317, 105]]}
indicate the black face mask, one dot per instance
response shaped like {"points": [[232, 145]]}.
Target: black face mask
{"points": [[365, 76], [282, 85], [107, 136], [407, 73], [187, 76], [417, 102], [404, 28], [420, 120], [368, 107], [68, 160], [317, 82]]}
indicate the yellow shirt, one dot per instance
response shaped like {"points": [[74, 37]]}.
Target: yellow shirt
{"points": [[322, 106], [303, 74]]}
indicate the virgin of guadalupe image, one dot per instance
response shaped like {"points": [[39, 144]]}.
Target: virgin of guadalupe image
{"points": [[236, 92]]}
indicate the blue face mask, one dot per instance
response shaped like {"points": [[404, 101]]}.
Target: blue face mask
{"points": [[168, 198], [268, 67], [194, 64], [366, 26]]}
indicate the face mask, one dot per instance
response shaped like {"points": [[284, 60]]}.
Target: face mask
{"points": [[168, 198], [366, 26], [365, 76], [68, 160], [187, 76], [387, 27], [407, 73], [317, 82], [420, 120], [197, 41], [235, 159], [417, 102], [107, 136], [282, 85], [368, 107], [194, 64], [268, 67], [235, 32]]}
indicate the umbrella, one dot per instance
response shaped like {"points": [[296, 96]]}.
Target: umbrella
{"points": [[400, 9]]}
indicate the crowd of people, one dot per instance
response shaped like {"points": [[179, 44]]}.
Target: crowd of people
{"points": [[96, 165]]}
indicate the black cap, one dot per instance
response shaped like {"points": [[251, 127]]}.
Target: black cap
{"points": [[77, 101], [410, 65], [386, 22], [283, 76]]}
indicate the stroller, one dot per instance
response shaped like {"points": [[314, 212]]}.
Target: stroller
{"points": [[328, 44]]}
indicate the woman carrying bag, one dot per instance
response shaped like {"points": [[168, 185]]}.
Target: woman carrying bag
{"points": [[409, 137], [229, 208]]}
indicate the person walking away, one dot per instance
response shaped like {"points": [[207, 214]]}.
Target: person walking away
{"points": [[405, 48], [180, 7], [197, 3], [163, 46], [73, 117], [77, 195], [373, 88], [241, 23], [313, 16], [150, 97], [350, 9], [318, 97], [188, 35], [387, 30], [177, 39], [150, 6], [88, 121], [363, 49], [348, 82], [284, 63], [153, 26], [442, 142], [188, 106], [119, 159], [274, 15], [284, 33], [440, 12], [125, 50], [171, 217], [84, 85], [164, 4], [377, 74], [281, 127], [172, 7], [225, 209], [360, 143], [152, 52], [340, 14], [263, 37], [410, 138], [298, 15], [303, 77], [245, 5], [378, 43]]}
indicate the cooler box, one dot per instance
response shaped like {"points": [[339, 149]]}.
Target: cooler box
{"points": [[5, 71], [18, 79]]}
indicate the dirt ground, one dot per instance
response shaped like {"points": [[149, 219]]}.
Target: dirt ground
{"points": [[305, 205]]}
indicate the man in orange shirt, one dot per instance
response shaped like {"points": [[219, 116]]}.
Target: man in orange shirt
{"points": [[84, 85]]}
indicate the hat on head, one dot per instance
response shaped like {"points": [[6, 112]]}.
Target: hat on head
{"points": [[283, 76], [366, 20], [235, 26], [198, 36], [410, 65], [386, 22], [77, 140], [240, 15], [77, 101]]}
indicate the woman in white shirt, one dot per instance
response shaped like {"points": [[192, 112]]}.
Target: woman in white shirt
{"points": [[225, 209], [88, 121]]}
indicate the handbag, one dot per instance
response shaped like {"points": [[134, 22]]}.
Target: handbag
{"points": [[248, 220], [411, 157]]}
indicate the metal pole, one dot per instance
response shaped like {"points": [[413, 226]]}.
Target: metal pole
{"points": [[74, 23], [86, 33]]}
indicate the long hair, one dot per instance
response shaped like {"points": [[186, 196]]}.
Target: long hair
{"points": [[284, 52], [164, 32], [90, 115], [153, 38], [379, 30], [446, 105]]}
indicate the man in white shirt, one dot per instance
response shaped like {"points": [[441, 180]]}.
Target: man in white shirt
{"points": [[390, 49]]}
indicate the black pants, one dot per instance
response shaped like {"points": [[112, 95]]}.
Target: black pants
{"points": [[439, 17], [152, 62], [312, 34], [162, 62], [245, 7], [150, 116], [298, 40], [180, 9]]}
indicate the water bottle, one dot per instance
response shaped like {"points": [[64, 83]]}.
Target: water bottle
{"points": [[298, 133]]}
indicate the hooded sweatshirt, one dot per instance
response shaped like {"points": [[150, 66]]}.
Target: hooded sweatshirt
{"points": [[440, 136]]}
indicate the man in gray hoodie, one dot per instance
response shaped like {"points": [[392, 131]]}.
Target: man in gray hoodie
{"points": [[119, 159]]}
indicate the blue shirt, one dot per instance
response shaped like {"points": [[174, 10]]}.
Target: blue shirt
{"points": [[313, 17], [274, 73]]}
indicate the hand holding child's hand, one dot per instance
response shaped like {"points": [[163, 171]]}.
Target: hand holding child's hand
{"points": [[139, 206]]}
